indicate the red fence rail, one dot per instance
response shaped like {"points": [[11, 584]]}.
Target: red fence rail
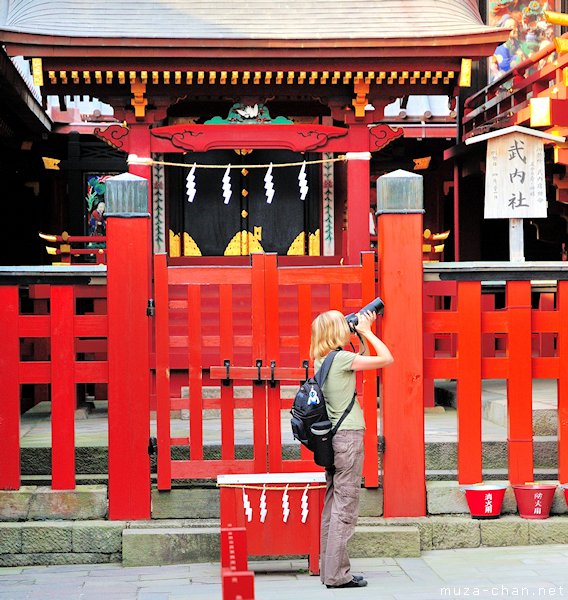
{"points": [[525, 339], [508, 329], [93, 248], [247, 325], [66, 364]]}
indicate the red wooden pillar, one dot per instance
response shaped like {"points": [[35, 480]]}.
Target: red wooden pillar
{"points": [[562, 382], [141, 153], [469, 382], [519, 382], [63, 394], [358, 184], [399, 206], [128, 280], [10, 378]]}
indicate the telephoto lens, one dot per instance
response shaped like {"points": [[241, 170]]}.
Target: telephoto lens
{"points": [[376, 306]]}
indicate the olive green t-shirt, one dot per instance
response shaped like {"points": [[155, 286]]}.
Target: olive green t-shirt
{"points": [[338, 390]]}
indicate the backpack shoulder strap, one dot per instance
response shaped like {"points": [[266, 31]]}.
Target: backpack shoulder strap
{"points": [[323, 371], [344, 415]]}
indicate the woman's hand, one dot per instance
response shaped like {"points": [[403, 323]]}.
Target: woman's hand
{"points": [[383, 357], [365, 321]]}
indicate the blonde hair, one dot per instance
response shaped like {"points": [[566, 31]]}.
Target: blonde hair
{"points": [[329, 331]]}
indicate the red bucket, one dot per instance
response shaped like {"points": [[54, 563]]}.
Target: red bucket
{"points": [[534, 500], [485, 500]]}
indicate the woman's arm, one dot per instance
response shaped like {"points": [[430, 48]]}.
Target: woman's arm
{"points": [[383, 357]]}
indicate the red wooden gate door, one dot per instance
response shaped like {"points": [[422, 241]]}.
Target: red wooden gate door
{"points": [[245, 330]]}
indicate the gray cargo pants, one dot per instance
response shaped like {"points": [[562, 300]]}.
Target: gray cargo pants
{"points": [[341, 506]]}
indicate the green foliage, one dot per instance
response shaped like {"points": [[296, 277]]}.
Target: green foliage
{"points": [[96, 187]]}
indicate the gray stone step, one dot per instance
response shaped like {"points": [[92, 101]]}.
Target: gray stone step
{"points": [[540, 474], [457, 531], [203, 503], [448, 497], [440, 455], [494, 403], [60, 542], [443, 455], [184, 541], [170, 546], [378, 540], [545, 420], [161, 545], [38, 503]]}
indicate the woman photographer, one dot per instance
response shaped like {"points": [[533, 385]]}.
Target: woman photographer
{"points": [[330, 331]]}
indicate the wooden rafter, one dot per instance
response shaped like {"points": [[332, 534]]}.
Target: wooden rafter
{"points": [[248, 77]]}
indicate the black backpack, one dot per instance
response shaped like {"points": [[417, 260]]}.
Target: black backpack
{"points": [[310, 423]]}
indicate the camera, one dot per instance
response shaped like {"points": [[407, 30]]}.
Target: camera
{"points": [[377, 306]]}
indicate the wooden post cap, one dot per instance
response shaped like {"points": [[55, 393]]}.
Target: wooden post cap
{"points": [[400, 192], [126, 196]]}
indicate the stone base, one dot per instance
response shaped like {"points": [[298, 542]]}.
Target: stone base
{"points": [[185, 541], [203, 503], [38, 503], [60, 542], [157, 546], [192, 503], [387, 540]]}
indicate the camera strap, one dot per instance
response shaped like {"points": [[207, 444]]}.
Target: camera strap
{"points": [[361, 341]]}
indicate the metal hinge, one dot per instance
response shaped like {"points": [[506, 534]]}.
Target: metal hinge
{"points": [[151, 308]]}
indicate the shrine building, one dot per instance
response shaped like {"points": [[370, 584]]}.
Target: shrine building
{"points": [[228, 86], [188, 184]]}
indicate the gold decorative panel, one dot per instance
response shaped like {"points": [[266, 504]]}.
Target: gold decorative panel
{"points": [[190, 248], [175, 244]]}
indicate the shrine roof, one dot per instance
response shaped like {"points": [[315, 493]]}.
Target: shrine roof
{"points": [[378, 24], [21, 108]]}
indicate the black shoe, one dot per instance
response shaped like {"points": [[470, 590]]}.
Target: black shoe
{"points": [[356, 582], [356, 578]]}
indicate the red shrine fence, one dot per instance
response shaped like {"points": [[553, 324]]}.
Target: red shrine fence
{"points": [[52, 335], [249, 328], [512, 329], [55, 335]]}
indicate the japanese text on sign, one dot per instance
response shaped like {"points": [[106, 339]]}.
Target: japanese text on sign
{"points": [[515, 186]]}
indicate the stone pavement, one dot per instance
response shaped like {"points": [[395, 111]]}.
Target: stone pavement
{"points": [[521, 571]]}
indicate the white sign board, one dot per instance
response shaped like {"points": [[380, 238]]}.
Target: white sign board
{"points": [[515, 186]]}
